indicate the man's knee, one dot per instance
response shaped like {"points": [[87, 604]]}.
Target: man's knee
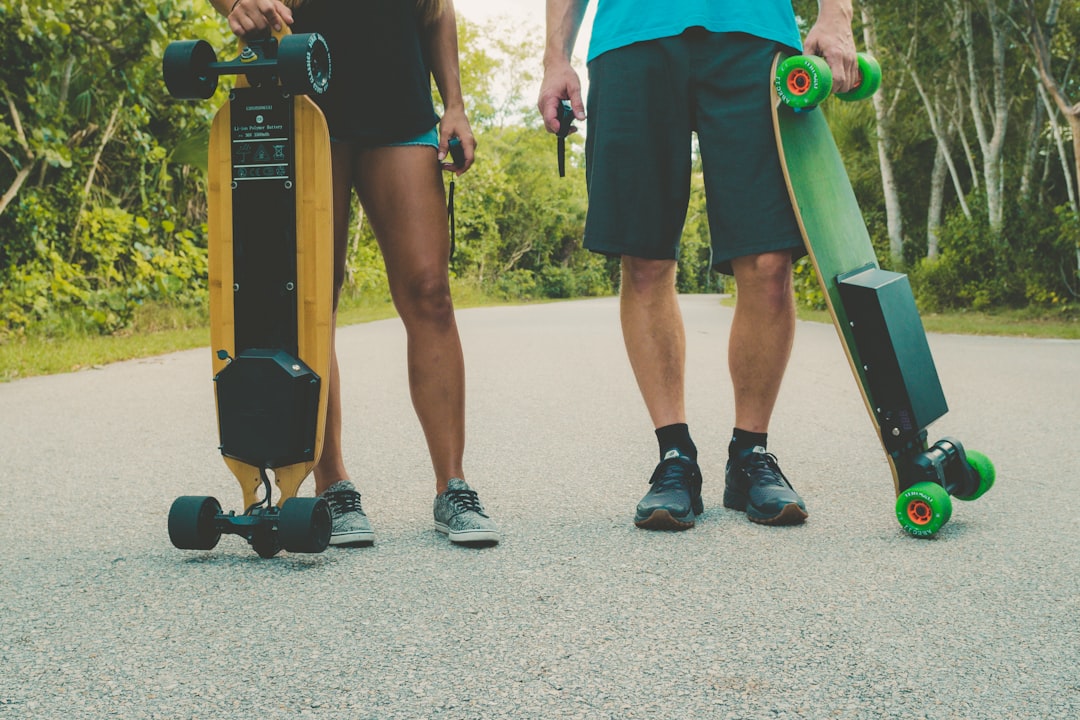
{"points": [[643, 276], [766, 277]]}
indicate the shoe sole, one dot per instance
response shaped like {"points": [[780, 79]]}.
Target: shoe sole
{"points": [[790, 514], [352, 540], [662, 519], [470, 537]]}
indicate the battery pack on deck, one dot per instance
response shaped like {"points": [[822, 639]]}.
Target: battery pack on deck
{"points": [[893, 352]]}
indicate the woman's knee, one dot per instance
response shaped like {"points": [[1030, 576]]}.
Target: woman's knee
{"points": [[426, 298]]}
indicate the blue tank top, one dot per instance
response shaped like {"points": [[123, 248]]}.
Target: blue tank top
{"points": [[621, 22]]}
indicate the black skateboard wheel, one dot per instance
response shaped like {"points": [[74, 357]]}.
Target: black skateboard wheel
{"points": [[191, 523], [265, 540], [186, 67], [304, 64], [304, 525]]}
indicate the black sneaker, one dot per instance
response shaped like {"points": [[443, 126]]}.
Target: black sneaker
{"points": [[756, 485], [674, 498]]}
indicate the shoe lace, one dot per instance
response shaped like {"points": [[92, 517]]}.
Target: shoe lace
{"points": [[764, 468], [343, 501], [675, 472], [465, 500]]}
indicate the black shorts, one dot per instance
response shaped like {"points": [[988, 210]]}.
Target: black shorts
{"points": [[644, 102]]}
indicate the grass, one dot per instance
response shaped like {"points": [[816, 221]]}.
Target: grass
{"points": [[1011, 323], [163, 330], [158, 330]]}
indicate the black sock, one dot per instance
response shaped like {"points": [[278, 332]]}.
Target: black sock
{"points": [[676, 437], [744, 440]]}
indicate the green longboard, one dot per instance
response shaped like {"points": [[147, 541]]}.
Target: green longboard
{"points": [[874, 313]]}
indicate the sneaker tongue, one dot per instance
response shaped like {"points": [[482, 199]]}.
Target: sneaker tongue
{"points": [[672, 453], [751, 452], [457, 484]]}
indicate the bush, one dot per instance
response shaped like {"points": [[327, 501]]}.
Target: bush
{"points": [[1029, 264]]}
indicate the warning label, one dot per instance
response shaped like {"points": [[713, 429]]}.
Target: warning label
{"points": [[261, 140]]}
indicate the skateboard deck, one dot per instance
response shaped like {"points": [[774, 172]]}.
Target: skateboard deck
{"points": [[876, 319], [270, 222]]}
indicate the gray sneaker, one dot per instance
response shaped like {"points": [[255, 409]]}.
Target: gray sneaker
{"points": [[459, 514], [351, 527]]}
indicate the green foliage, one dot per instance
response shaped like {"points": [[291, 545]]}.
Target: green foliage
{"points": [[808, 292], [103, 189], [519, 226], [100, 218], [1028, 265]]}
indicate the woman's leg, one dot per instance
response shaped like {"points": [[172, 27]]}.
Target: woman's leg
{"points": [[402, 192], [331, 468]]}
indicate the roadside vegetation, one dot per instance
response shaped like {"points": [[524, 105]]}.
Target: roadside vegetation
{"points": [[965, 165]]}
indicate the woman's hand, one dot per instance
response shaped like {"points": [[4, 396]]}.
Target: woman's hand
{"points": [[455, 124], [255, 18]]}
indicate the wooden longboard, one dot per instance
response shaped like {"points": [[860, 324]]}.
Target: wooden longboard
{"points": [[311, 176]]}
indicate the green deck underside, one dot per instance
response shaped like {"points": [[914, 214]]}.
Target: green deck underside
{"points": [[836, 234]]}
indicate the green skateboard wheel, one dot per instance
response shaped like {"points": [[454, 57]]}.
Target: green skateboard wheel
{"points": [[804, 81], [984, 469], [923, 509], [869, 79]]}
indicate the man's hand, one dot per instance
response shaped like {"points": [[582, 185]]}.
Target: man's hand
{"points": [[560, 83], [831, 38]]}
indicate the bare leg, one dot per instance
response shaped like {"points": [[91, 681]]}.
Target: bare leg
{"points": [[655, 340], [762, 333], [331, 468], [402, 192]]}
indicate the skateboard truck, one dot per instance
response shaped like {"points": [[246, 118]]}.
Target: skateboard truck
{"points": [[565, 115], [300, 525], [300, 63], [804, 81]]}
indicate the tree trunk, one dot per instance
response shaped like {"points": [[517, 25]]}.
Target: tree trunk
{"points": [[894, 219], [990, 130], [1041, 47], [937, 201]]}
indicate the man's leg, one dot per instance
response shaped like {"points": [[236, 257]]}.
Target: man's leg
{"points": [[656, 345], [762, 333], [655, 340]]}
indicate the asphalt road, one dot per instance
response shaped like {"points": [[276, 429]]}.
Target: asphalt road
{"points": [[577, 614]]}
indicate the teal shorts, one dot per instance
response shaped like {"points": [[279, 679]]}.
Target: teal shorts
{"points": [[645, 100], [428, 138], [431, 137]]}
